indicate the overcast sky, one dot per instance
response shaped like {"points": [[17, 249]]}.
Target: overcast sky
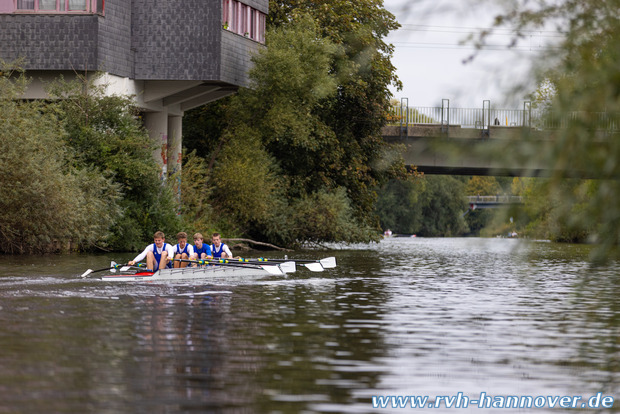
{"points": [[429, 59]]}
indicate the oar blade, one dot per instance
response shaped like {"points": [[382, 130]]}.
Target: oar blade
{"points": [[86, 273], [288, 267], [314, 267], [328, 262], [273, 270]]}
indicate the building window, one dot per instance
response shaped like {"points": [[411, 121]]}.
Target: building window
{"points": [[25, 4], [61, 6], [243, 20]]}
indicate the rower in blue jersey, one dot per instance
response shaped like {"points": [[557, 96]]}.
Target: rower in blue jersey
{"points": [[182, 251], [219, 249], [201, 250], [157, 254]]}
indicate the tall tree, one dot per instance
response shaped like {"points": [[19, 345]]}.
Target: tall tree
{"points": [[584, 73], [46, 202], [107, 138], [355, 114]]}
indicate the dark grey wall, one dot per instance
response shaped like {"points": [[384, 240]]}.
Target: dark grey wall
{"points": [[139, 39], [237, 52], [177, 39], [115, 53], [51, 42]]}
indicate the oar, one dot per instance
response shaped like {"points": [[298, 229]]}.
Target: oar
{"points": [[113, 267], [326, 263], [286, 266], [271, 269]]}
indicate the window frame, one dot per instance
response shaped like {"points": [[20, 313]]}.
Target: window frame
{"points": [[63, 7], [244, 20]]}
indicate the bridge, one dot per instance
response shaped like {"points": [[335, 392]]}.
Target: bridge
{"points": [[494, 201], [474, 141]]}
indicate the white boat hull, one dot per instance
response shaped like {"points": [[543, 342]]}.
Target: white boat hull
{"points": [[194, 273]]}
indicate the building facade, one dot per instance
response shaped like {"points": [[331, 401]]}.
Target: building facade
{"points": [[170, 55]]}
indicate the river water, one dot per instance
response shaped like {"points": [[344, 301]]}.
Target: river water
{"points": [[404, 317]]}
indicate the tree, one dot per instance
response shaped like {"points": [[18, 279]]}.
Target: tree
{"points": [[429, 206], [584, 72], [108, 139], [47, 203], [362, 68], [483, 186]]}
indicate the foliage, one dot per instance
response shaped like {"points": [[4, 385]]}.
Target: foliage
{"points": [[484, 186], [107, 138], [584, 72], [428, 206], [299, 155], [353, 116], [398, 206], [46, 202], [204, 126]]}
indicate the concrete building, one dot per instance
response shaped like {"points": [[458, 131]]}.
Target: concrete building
{"points": [[171, 55]]}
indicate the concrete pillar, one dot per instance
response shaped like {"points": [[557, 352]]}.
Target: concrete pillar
{"points": [[157, 125], [175, 152], [175, 144]]}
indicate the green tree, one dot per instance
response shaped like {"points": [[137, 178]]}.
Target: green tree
{"points": [[355, 115], [483, 186], [47, 203], [583, 70], [398, 205], [428, 206], [108, 139]]}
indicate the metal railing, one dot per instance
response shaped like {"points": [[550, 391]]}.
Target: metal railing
{"points": [[480, 118], [495, 199]]}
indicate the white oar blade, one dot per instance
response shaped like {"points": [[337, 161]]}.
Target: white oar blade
{"points": [[86, 273], [288, 267], [328, 262], [314, 267], [274, 270]]}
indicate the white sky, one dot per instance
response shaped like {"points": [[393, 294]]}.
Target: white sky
{"points": [[429, 59]]}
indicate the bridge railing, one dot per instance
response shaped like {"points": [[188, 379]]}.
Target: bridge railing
{"points": [[475, 117], [495, 199]]}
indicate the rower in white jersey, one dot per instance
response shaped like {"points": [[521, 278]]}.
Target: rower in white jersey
{"points": [[218, 249], [157, 254], [182, 251]]}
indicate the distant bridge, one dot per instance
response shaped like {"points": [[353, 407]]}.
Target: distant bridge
{"points": [[474, 141], [493, 201]]}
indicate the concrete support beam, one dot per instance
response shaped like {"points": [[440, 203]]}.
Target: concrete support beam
{"points": [[155, 90]]}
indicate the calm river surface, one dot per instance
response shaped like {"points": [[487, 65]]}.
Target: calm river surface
{"points": [[403, 317]]}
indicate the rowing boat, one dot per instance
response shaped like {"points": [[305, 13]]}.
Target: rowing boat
{"points": [[209, 268], [192, 273]]}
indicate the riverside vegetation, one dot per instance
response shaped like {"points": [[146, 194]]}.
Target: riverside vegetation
{"points": [[298, 157]]}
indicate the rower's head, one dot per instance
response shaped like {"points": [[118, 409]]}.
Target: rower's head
{"points": [[182, 238], [198, 239], [216, 239], [159, 238]]}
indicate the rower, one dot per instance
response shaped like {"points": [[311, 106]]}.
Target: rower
{"points": [[182, 251], [219, 249], [157, 254], [201, 250]]}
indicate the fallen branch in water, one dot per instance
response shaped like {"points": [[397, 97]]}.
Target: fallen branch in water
{"points": [[258, 243]]}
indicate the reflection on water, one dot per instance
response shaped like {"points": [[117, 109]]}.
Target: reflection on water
{"points": [[405, 316]]}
